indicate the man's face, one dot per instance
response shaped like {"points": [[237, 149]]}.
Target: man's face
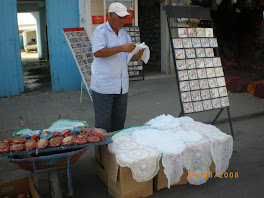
{"points": [[116, 21]]}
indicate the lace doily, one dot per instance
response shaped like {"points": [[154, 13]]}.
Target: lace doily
{"points": [[189, 136], [221, 154], [164, 122], [142, 160], [165, 141], [206, 130], [197, 160], [173, 168]]}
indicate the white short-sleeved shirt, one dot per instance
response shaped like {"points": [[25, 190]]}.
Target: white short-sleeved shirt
{"points": [[109, 74]]}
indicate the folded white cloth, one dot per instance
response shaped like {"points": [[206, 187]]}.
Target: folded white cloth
{"points": [[146, 54]]}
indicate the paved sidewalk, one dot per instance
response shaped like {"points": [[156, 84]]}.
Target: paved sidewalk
{"points": [[154, 96]]}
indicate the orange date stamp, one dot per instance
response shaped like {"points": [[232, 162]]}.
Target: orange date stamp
{"points": [[213, 175]]}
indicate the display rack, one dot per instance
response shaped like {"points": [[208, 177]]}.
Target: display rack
{"points": [[81, 48], [199, 72], [135, 68]]}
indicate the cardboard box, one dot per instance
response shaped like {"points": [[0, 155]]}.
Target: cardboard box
{"points": [[13, 188], [161, 181], [252, 86], [120, 180], [100, 171], [212, 167]]}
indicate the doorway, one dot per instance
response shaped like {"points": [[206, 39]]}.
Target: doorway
{"points": [[32, 25]]}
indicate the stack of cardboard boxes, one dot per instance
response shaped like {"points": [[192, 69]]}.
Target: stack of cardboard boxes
{"points": [[120, 181]]}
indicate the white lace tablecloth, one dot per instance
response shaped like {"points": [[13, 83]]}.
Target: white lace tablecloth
{"points": [[182, 143]]}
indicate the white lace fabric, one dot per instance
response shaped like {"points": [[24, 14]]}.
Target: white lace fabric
{"points": [[183, 143], [142, 160]]}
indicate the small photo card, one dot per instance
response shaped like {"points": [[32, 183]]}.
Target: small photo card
{"points": [[69, 34], [198, 106], [191, 32], [221, 81], [209, 52], [180, 54], [214, 93], [222, 91], [210, 72], [205, 42], [200, 32], [177, 43], [200, 52], [196, 42], [219, 71], [183, 75], [196, 95], [208, 62], [190, 63], [186, 97], [207, 104], [188, 107], [187, 43], [201, 73], [192, 74], [212, 82], [217, 62], [205, 94], [224, 102], [181, 64], [199, 62], [182, 32], [194, 84], [204, 84], [213, 42], [184, 86], [216, 103], [209, 32], [190, 53]]}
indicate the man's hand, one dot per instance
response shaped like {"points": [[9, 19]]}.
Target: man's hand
{"points": [[129, 47], [138, 55]]}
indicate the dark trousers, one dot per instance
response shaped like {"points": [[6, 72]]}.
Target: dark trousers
{"points": [[109, 110]]}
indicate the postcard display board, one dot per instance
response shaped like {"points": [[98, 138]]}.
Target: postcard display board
{"points": [[199, 71], [81, 49], [135, 68]]}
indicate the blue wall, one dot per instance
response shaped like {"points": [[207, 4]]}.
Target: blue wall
{"points": [[11, 76], [64, 72]]}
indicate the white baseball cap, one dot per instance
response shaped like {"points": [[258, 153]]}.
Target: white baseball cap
{"points": [[119, 9]]}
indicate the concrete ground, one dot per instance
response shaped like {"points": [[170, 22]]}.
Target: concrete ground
{"points": [[154, 96]]}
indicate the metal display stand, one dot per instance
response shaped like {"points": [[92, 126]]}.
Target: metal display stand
{"points": [[199, 72]]}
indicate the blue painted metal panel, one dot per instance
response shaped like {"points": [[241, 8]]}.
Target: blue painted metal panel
{"points": [[21, 46], [11, 76], [64, 72]]}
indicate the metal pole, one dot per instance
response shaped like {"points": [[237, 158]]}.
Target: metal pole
{"points": [[230, 122], [70, 189], [217, 116]]}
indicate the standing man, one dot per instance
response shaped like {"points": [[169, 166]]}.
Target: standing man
{"points": [[110, 81]]}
